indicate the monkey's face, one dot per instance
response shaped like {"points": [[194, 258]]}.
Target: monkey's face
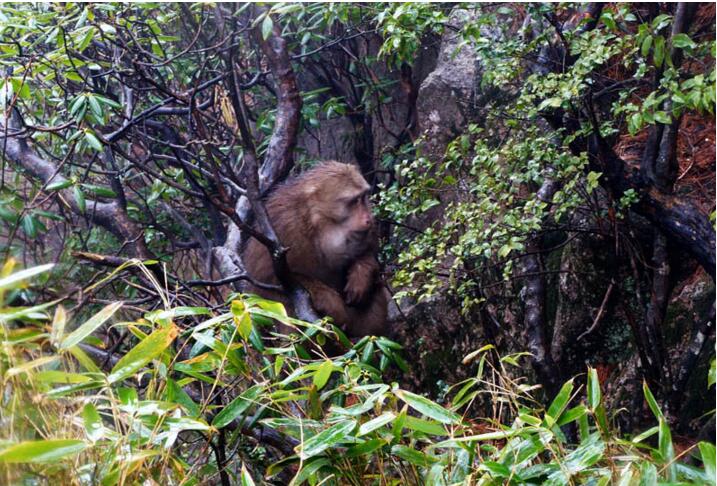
{"points": [[348, 222], [356, 213]]}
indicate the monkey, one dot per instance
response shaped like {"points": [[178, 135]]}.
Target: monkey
{"points": [[323, 216]]}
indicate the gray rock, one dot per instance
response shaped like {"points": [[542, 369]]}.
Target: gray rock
{"points": [[445, 96]]}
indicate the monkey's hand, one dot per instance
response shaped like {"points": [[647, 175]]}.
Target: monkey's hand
{"points": [[360, 280]]}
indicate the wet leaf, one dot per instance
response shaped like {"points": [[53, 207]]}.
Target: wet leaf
{"points": [[76, 336], [150, 347], [323, 440], [428, 408], [41, 451]]}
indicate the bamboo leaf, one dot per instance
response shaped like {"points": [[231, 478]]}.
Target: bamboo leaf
{"points": [[76, 336], [325, 439], [41, 451], [707, 452], [237, 406], [428, 408], [150, 347], [560, 402], [594, 394], [93, 422], [14, 279], [322, 375], [376, 423], [246, 479]]}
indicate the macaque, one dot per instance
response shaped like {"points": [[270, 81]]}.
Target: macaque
{"points": [[323, 217]]}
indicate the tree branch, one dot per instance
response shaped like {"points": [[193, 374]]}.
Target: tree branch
{"points": [[279, 157], [110, 215]]}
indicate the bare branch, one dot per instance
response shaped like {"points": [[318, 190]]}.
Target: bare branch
{"points": [[280, 154], [109, 215]]}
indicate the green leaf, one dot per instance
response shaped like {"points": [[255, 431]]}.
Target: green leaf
{"points": [[428, 408], [41, 451], [150, 347], [20, 87], [322, 375], [413, 456], [93, 141], [266, 27], [77, 104], [646, 45], [95, 107], [662, 117], [310, 470], [609, 20], [100, 190], [365, 448], [165, 316], [497, 470], [707, 451], [80, 199], [589, 452], [644, 435], [594, 393], [560, 402], [325, 439], [58, 185], [176, 394], [659, 52], [425, 426], [711, 375], [89, 35], [84, 360], [107, 101], [550, 102], [76, 336], [246, 479], [244, 325], [12, 281], [93, 422], [572, 415], [28, 225], [237, 406], [634, 123], [683, 41], [652, 402], [34, 312], [27, 366], [648, 474], [667, 450], [378, 422]]}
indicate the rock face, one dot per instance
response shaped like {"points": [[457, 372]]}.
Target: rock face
{"points": [[447, 94], [583, 284], [332, 140]]}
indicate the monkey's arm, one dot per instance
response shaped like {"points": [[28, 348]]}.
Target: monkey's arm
{"points": [[326, 300], [355, 321], [361, 279]]}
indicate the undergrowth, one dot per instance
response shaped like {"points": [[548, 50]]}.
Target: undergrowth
{"points": [[232, 401]]}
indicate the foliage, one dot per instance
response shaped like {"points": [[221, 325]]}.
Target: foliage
{"points": [[492, 216], [487, 185], [150, 416], [124, 378]]}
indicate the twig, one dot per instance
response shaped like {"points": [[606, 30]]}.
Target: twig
{"points": [[601, 311]]}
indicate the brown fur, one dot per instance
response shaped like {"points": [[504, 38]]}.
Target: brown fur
{"points": [[332, 247]]}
